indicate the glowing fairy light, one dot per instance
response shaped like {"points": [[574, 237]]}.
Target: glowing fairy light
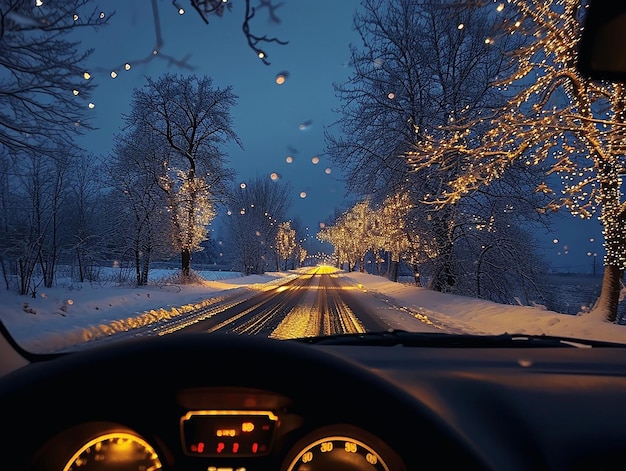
{"points": [[281, 77], [303, 194], [274, 176], [242, 186], [91, 106], [461, 26], [127, 66], [113, 74], [289, 159], [75, 92], [75, 17], [86, 75], [328, 171], [315, 160]]}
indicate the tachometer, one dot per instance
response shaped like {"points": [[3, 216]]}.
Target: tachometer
{"points": [[348, 449], [116, 451]]}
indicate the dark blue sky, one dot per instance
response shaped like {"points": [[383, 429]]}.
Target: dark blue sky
{"points": [[268, 116]]}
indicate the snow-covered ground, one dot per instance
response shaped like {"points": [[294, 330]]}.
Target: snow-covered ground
{"points": [[72, 313]]}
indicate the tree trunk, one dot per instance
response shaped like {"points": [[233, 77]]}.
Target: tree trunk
{"points": [[393, 272], [606, 305], [145, 266], [185, 257], [81, 267], [416, 275], [137, 266]]}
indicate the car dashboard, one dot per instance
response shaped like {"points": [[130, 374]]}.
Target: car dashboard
{"points": [[239, 403]]}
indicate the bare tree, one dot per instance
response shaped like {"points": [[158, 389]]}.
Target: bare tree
{"points": [[144, 223], [44, 93], [255, 209], [193, 119], [84, 226]]}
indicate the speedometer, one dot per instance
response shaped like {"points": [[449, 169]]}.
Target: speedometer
{"points": [[349, 449], [118, 451]]}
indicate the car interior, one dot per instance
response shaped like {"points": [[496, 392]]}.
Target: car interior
{"points": [[386, 401]]}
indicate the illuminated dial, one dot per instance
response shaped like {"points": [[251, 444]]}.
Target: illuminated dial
{"points": [[338, 452], [117, 451], [342, 447]]}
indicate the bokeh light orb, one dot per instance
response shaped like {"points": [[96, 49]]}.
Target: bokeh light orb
{"points": [[281, 77]]}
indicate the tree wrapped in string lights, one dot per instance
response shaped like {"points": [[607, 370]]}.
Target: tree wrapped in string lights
{"points": [[390, 229], [192, 120], [285, 242], [572, 128]]}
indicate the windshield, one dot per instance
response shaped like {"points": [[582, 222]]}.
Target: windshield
{"points": [[305, 168]]}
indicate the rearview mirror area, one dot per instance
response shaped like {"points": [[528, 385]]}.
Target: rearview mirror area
{"points": [[602, 53]]}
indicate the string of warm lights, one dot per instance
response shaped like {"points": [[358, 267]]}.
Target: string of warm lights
{"points": [[205, 8]]}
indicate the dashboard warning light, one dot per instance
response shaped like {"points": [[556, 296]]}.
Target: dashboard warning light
{"points": [[247, 427]]}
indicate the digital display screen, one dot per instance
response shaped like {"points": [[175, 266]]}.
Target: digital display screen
{"points": [[215, 433]]}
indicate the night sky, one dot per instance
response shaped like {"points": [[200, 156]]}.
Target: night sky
{"points": [[273, 121]]}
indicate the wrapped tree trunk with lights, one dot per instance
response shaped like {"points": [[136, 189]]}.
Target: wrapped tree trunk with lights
{"points": [[390, 231], [571, 128], [285, 242]]}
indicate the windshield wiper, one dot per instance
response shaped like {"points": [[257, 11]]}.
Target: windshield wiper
{"points": [[429, 339]]}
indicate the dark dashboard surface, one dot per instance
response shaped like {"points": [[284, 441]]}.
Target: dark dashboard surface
{"points": [[224, 402]]}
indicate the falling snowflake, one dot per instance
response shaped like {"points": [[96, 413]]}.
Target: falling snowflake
{"points": [[306, 125]]}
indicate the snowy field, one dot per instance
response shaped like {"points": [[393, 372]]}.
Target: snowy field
{"points": [[72, 313]]}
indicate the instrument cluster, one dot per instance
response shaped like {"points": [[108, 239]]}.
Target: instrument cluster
{"points": [[225, 429]]}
